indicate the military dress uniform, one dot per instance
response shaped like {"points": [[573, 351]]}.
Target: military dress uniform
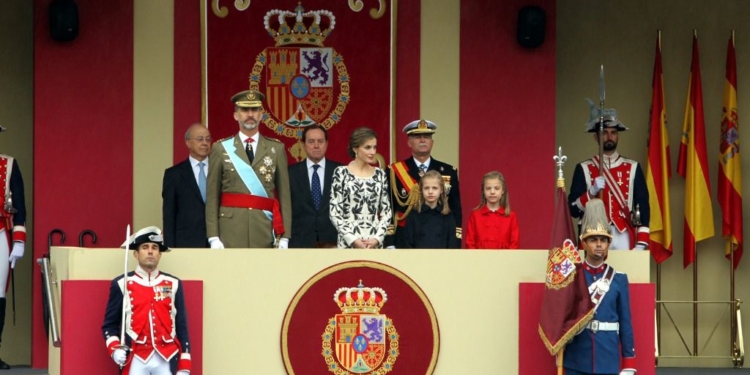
{"points": [[403, 180], [234, 213], [12, 228], [625, 193], [598, 348], [155, 316]]}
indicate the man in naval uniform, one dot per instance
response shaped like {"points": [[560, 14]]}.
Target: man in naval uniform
{"points": [[404, 176], [248, 202], [156, 325], [622, 185], [607, 340], [12, 229]]}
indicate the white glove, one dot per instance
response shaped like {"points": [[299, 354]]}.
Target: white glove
{"points": [[391, 247], [640, 246], [120, 356], [183, 372], [283, 243], [597, 186], [627, 372], [16, 253], [215, 243]]}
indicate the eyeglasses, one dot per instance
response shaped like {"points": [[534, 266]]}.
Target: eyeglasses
{"points": [[201, 139]]}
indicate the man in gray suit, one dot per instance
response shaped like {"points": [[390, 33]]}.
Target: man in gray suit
{"points": [[248, 203]]}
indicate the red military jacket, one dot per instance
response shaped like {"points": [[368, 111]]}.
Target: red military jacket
{"points": [[155, 320]]}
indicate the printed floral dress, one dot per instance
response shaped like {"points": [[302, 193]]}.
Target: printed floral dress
{"points": [[360, 207]]}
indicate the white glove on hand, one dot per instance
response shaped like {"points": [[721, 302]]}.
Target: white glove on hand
{"points": [[597, 186], [183, 372], [215, 243], [120, 356], [283, 243], [627, 372], [640, 246], [16, 253]]}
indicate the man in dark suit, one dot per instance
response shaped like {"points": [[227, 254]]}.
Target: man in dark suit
{"points": [[184, 193], [311, 224], [404, 179]]}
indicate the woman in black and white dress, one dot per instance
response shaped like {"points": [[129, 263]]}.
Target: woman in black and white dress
{"points": [[360, 204]]}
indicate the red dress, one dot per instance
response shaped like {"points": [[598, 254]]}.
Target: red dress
{"points": [[492, 230]]}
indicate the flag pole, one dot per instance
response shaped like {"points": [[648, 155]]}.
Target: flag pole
{"points": [[695, 279], [732, 321], [658, 265]]}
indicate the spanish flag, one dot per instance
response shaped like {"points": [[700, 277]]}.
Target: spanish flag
{"points": [[730, 175], [658, 168], [693, 165]]}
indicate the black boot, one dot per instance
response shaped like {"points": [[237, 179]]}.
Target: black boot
{"points": [[3, 303]]}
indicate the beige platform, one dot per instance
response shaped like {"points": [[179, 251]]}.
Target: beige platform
{"points": [[459, 283]]}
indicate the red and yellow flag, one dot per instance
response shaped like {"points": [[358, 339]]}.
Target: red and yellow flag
{"points": [[658, 168], [693, 165], [730, 169]]}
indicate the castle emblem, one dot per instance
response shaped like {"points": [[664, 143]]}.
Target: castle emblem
{"points": [[306, 83], [360, 340]]}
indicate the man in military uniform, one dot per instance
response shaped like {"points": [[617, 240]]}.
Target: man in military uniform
{"points": [[12, 229], [248, 203], [156, 326], [622, 184], [404, 179], [606, 345]]}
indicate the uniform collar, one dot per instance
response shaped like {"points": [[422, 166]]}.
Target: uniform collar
{"points": [[594, 270], [145, 275]]}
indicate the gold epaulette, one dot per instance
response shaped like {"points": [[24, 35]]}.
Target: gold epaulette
{"points": [[272, 139]]}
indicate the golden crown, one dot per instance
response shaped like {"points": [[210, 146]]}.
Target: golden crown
{"points": [[307, 27], [359, 299]]}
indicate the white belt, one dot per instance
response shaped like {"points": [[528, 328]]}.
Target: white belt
{"points": [[596, 325]]}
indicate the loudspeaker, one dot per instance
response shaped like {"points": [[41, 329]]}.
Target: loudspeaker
{"points": [[531, 20], [63, 20]]}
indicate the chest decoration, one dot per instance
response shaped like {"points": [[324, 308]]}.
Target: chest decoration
{"points": [[267, 170], [162, 292]]}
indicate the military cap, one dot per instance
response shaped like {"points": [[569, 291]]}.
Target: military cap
{"points": [[150, 234], [420, 127], [248, 99], [609, 115], [594, 221]]}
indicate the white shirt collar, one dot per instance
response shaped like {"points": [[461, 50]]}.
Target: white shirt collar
{"points": [[321, 163], [194, 162], [255, 137], [426, 163]]}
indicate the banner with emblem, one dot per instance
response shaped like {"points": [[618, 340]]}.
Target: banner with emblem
{"points": [[317, 61]]}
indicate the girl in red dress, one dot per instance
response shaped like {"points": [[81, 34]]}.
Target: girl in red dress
{"points": [[493, 225]]}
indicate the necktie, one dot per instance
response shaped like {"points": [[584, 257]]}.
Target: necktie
{"points": [[249, 149], [202, 180], [422, 170], [315, 187]]}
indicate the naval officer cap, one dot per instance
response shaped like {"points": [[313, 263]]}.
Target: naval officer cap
{"points": [[420, 127], [150, 234], [596, 115], [248, 99]]}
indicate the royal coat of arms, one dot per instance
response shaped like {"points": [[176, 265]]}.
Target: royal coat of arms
{"points": [[306, 83], [360, 340]]}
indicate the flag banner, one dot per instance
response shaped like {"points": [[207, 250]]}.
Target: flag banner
{"points": [[693, 165], [730, 169], [562, 224], [658, 168], [317, 62], [566, 305]]}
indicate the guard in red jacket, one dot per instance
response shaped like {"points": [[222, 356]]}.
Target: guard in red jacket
{"points": [[156, 334]]}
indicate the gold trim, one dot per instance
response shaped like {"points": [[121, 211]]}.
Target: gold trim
{"points": [[357, 5], [357, 264]]}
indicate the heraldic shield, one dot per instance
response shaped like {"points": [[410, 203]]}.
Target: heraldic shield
{"points": [[306, 83], [360, 340]]}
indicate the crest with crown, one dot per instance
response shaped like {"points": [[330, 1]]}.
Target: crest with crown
{"points": [[299, 27], [360, 299]]}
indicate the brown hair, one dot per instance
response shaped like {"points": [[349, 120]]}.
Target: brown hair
{"points": [[359, 137], [504, 202], [443, 199]]}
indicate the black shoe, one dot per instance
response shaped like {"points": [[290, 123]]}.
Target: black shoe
{"points": [[3, 365]]}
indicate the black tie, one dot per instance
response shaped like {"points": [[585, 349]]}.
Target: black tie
{"points": [[249, 150]]}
